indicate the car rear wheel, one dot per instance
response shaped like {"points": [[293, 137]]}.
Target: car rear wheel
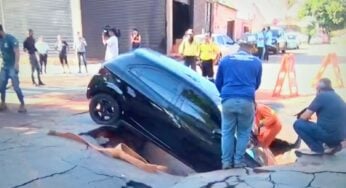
{"points": [[104, 109]]}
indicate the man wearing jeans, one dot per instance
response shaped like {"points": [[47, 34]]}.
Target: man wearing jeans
{"points": [[10, 68], [29, 46], [237, 79], [329, 128], [80, 46]]}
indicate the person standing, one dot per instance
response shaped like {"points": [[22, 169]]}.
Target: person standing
{"points": [[29, 46], [261, 44], [268, 43], [42, 49], [208, 53], [329, 128], [110, 39], [238, 77], [189, 50], [10, 68], [80, 46], [62, 48], [136, 39]]}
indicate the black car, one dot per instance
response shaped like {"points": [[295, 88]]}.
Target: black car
{"points": [[164, 101]]}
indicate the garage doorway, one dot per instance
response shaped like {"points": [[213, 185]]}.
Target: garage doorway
{"points": [[182, 17], [230, 28]]}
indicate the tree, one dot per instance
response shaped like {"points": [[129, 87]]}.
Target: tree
{"points": [[290, 3], [329, 14]]}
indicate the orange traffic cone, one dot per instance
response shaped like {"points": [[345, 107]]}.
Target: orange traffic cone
{"points": [[287, 70], [333, 60]]}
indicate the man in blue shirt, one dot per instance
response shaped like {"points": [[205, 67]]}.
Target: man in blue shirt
{"points": [[10, 68], [261, 44], [329, 128], [237, 79], [268, 43]]}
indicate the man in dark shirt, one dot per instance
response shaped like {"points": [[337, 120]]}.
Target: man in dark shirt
{"points": [[29, 46], [237, 79], [329, 128], [9, 68]]}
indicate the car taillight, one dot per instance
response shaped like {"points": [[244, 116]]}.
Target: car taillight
{"points": [[104, 72]]}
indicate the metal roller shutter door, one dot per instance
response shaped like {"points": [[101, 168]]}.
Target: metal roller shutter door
{"points": [[148, 16], [46, 18]]}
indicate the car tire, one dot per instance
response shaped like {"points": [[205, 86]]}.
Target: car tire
{"points": [[104, 109]]}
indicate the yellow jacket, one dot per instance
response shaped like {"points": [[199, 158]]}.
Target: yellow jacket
{"points": [[208, 51], [188, 49]]}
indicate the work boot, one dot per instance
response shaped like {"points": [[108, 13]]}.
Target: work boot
{"points": [[3, 107], [307, 152], [22, 109], [240, 165], [41, 83]]}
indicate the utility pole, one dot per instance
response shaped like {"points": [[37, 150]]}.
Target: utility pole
{"points": [[211, 16], [169, 25], [2, 14]]}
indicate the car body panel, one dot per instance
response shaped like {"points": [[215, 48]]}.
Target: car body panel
{"points": [[279, 43], [169, 104], [225, 43], [293, 41]]}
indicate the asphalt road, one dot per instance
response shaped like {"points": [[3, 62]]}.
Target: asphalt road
{"points": [[61, 105], [313, 54]]}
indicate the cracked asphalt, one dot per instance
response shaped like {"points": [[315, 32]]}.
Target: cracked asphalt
{"points": [[31, 158]]}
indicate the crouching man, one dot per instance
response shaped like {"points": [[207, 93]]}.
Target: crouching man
{"points": [[267, 125], [326, 134]]}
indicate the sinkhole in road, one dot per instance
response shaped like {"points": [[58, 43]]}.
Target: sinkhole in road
{"points": [[110, 137], [280, 152]]}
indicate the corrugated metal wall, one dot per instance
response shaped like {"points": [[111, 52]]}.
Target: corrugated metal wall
{"points": [[46, 18], [148, 16]]}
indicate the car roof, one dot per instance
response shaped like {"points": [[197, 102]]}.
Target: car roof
{"points": [[213, 35], [173, 66]]}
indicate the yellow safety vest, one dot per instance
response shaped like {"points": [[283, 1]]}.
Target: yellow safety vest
{"points": [[188, 49], [208, 51]]}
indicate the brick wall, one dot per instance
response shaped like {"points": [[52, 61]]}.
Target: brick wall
{"points": [[222, 14]]}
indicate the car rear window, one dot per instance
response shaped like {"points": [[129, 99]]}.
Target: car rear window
{"points": [[291, 37], [174, 66], [158, 81]]}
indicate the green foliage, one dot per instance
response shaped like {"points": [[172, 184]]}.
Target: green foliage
{"points": [[330, 14], [290, 3]]}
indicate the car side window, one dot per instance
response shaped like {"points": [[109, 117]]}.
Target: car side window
{"points": [[219, 40], [197, 107], [160, 82], [228, 40]]}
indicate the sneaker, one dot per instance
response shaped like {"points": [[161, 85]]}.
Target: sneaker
{"points": [[240, 165], [22, 109], [3, 107], [41, 84], [307, 152], [226, 166], [333, 150]]}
